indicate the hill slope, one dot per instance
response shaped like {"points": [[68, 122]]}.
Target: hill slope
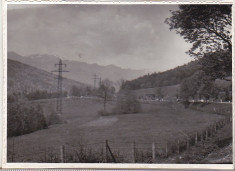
{"points": [[170, 81], [79, 71], [22, 77], [167, 78]]}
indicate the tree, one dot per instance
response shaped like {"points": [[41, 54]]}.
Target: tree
{"points": [[127, 102], [106, 90], [159, 93], [207, 89], [190, 86], [217, 64], [75, 91], [208, 27]]}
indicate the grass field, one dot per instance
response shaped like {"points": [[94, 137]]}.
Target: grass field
{"points": [[157, 123]]}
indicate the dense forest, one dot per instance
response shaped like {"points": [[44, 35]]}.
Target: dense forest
{"points": [[167, 78]]}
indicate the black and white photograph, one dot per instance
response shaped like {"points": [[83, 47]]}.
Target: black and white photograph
{"points": [[119, 83]]}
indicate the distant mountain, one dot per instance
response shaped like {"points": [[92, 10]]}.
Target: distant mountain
{"points": [[79, 71], [22, 77]]}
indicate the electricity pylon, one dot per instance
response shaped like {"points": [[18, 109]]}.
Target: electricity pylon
{"points": [[95, 78], [59, 86]]}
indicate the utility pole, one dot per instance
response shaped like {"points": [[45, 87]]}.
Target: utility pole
{"points": [[95, 77], [59, 86], [100, 81]]}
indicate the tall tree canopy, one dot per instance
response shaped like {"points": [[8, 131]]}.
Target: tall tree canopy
{"points": [[208, 27]]}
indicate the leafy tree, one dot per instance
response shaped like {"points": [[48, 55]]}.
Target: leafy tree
{"points": [[189, 87], [88, 90], [207, 89], [106, 90], [159, 93], [208, 27], [217, 64], [127, 102], [75, 91]]}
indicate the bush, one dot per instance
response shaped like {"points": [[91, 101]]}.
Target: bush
{"points": [[53, 118], [127, 103], [24, 119]]}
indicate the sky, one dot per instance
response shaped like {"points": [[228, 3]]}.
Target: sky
{"points": [[128, 36]]}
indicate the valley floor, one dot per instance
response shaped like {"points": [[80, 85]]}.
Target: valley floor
{"points": [[85, 129]]}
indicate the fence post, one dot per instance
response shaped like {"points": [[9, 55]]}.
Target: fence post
{"points": [[196, 139], [110, 151], [187, 143], [223, 123], [13, 149], [133, 152], [62, 154], [166, 149], [206, 134], [220, 124], [202, 135], [106, 151], [178, 146], [45, 155], [153, 151], [212, 131]]}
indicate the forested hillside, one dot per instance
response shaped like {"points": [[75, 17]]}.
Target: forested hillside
{"points": [[191, 80], [167, 78]]}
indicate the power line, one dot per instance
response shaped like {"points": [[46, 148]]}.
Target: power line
{"points": [[59, 86]]}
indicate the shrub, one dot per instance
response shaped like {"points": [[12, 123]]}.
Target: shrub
{"points": [[23, 119], [53, 118], [127, 103]]}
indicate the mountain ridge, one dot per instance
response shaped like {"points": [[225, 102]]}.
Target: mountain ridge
{"points": [[79, 71], [26, 78]]}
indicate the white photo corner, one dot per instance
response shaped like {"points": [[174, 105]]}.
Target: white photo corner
{"points": [[117, 85]]}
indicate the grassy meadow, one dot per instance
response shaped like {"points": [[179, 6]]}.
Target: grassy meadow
{"points": [[83, 126]]}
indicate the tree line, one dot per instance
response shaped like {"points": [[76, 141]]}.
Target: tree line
{"points": [[167, 78]]}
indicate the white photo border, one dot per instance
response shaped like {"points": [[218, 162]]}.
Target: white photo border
{"points": [[3, 88]]}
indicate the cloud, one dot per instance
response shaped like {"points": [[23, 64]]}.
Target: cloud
{"points": [[130, 36]]}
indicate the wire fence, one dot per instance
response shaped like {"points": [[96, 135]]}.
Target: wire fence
{"points": [[109, 151]]}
